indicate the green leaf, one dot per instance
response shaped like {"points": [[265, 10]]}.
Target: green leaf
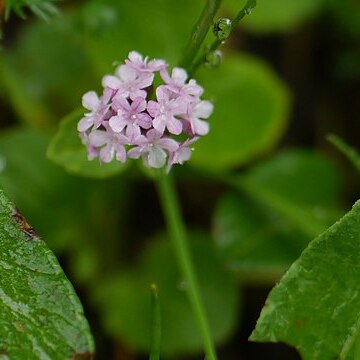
{"points": [[302, 186], [257, 242], [125, 307], [23, 165], [45, 9], [348, 151], [67, 150], [277, 15], [316, 305], [41, 316], [46, 72], [250, 116]]}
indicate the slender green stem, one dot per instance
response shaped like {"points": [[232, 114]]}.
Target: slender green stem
{"points": [[201, 28], [176, 228], [156, 324], [246, 10]]}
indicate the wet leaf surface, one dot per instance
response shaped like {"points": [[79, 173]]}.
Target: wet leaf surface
{"points": [[40, 314]]}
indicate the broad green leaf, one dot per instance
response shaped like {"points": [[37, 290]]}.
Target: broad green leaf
{"points": [[255, 244], [349, 152], [67, 150], [260, 242], [277, 15], [250, 116], [302, 186], [41, 316], [316, 305], [74, 204], [124, 300], [24, 166]]}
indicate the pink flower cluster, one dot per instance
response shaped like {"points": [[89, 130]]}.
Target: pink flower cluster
{"points": [[132, 119]]}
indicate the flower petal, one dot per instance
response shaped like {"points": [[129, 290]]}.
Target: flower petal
{"points": [[203, 109], [174, 126], [90, 101], [138, 105], [126, 73], [153, 108], [168, 144], [107, 153], [111, 81], [135, 57], [179, 76], [144, 120], [135, 152], [159, 124], [117, 123], [85, 123], [98, 138], [156, 157], [201, 127]]}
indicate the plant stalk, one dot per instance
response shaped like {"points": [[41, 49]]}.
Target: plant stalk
{"points": [[201, 28], [177, 231]]}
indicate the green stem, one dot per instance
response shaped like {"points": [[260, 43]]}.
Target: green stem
{"points": [[156, 324], [201, 28], [176, 228], [246, 10]]}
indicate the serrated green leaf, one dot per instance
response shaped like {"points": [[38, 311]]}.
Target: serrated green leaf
{"points": [[67, 150], [251, 112], [41, 316], [125, 309], [316, 305], [277, 15], [302, 186]]}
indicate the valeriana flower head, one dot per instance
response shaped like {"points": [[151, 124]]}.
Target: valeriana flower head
{"points": [[132, 119]]}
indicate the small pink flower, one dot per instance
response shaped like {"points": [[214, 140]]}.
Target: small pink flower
{"points": [[98, 107], [130, 117], [177, 83], [153, 148], [164, 111], [124, 123], [141, 64], [111, 144], [197, 112], [93, 151], [128, 82], [182, 154]]}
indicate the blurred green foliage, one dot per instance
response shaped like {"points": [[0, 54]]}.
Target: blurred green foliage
{"points": [[125, 306], [267, 215], [279, 206]]}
